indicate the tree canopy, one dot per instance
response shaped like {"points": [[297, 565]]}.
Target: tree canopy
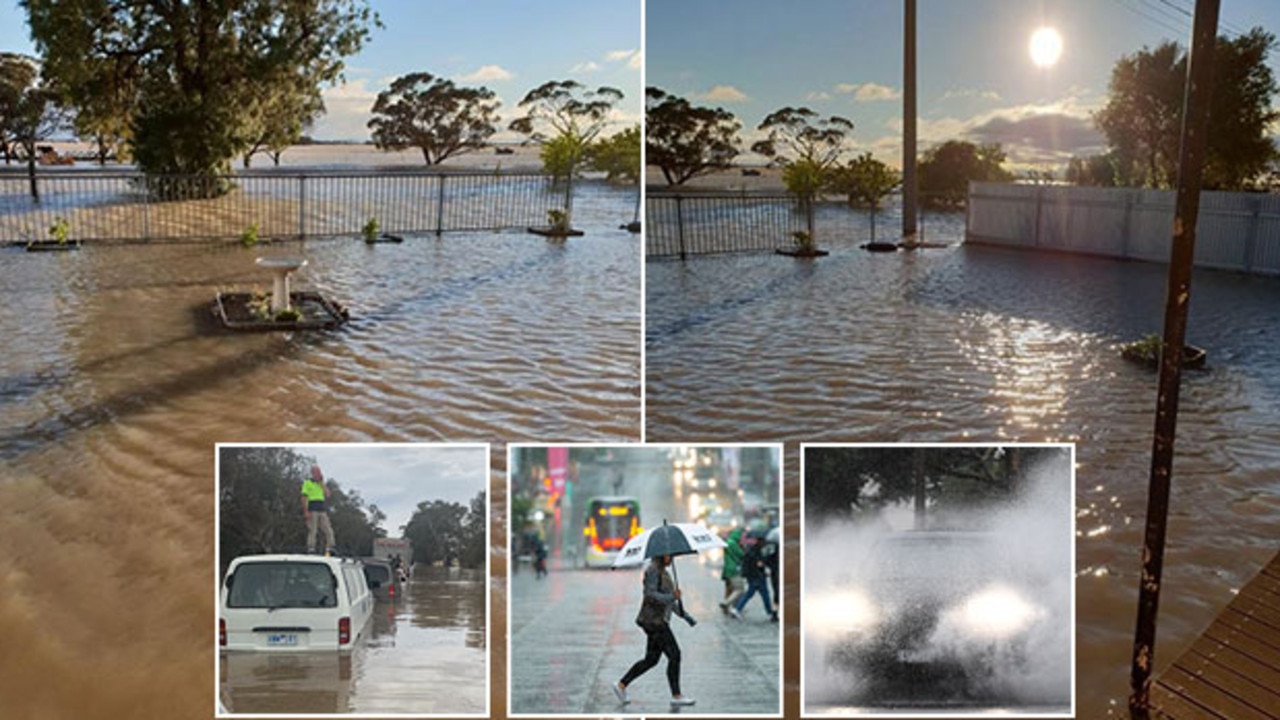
{"points": [[945, 171], [565, 116], [684, 140], [191, 76], [1143, 115], [864, 180], [846, 482], [434, 115], [30, 110], [448, 532], [618, 156], [261, 510], [802, 134]]}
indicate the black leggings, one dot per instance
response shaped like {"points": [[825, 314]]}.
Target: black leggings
{"points": [[661, 642]]}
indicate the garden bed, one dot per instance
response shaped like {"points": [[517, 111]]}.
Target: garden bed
{"points": [[240, 311], [50, 245], [1146, 352], [384, 238]]}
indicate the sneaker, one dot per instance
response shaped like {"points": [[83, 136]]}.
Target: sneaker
{"points": [[734, 612], [773, 617], [682, 701], [620, 693], [724, 608]]}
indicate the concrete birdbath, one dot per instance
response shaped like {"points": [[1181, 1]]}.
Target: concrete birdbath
{"points": [[280, 267]]}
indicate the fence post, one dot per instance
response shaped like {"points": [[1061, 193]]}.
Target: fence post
{"points": [[440, 206], [568, 200], [680, 225], [1127, 228], [302, 207], [146, 208]]}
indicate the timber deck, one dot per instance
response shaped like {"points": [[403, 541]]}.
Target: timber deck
{"points": [[1233, 670]]}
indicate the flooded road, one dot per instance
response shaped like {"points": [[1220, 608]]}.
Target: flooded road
{"points": [[980, 344], [113, 391], [425, 654]]}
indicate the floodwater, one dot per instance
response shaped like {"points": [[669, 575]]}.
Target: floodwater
{"points": [[114, 388], [426, 653], [972, 344]]}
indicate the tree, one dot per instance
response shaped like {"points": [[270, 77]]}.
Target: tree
{"points": [[281, 118], [1143, 115], [436, 532], [30, 110], [946, 170], [685, 141], [802, 134], [1093, 170], [433, 115], [618, 156], [475, 547], [565, 117], [18, 73], [199, 68], [865, 181]]}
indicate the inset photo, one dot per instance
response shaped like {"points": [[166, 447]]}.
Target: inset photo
{"points": [[351, 579], [938, 580], [645, 580]]}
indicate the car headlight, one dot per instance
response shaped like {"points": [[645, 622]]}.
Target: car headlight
{"points": [[998, 612], [842, 612]]}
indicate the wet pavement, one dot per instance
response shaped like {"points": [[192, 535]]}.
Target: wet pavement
{"points": [[425, 653], [573, 633]]}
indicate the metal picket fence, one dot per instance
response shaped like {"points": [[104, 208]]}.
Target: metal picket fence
{"points": [[132, 207]]}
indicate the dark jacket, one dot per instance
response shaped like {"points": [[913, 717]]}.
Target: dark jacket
{"points": [[659, 598], [753, 561]]}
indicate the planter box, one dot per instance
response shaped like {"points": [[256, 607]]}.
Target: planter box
{"points": [[1193, 358], [384, 238], [316, 313], [802, 253], [633, 226], [880, 247], [51, 246], [554, 232]]}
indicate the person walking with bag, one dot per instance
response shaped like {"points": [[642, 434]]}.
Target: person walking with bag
{"points": [[753, 569], [661, 599]]}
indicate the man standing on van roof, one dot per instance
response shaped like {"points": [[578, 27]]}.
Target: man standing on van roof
{"points": [[314, 508]]}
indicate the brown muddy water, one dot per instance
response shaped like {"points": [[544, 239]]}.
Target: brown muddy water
{"points": [[114, 388], [971, 344], [425, 653]]}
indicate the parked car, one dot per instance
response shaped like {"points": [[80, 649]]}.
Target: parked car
{"points": [[384, 579], [293, 603]]}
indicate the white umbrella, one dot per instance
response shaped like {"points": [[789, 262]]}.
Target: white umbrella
{"points": [[667, 539]]}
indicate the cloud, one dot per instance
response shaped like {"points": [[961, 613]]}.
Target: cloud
{"points": [[817, 96], [488, 73], [724, 93], [346, 111], [1051, 137], [868, 92], [584, 67], [633, 58], [967, 93]]}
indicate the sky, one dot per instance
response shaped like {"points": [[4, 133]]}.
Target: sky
{"points": [[398, 477], [975, 77], [508, 46]]}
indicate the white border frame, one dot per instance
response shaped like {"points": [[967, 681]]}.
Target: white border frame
{"points": [[484, 471], [782, 636], [923, 713]]}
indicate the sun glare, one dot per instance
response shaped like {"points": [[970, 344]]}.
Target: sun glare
{"points": [[1046, 47]]}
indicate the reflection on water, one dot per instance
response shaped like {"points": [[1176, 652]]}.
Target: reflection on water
{"points": [[980, 344], [113, 392], [425, 653]]}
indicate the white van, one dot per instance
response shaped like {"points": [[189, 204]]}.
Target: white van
{"points": [[293, 603]]}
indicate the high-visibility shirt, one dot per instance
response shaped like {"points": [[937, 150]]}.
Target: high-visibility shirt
{"points": [[313, 490]]}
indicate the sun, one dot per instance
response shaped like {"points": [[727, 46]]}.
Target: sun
{"points": [[1046, 47]]}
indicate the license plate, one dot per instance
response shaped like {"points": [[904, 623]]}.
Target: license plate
{"points": [[282, 640]]}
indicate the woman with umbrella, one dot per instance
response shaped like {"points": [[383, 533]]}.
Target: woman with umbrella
{"points": [[661, 599]]}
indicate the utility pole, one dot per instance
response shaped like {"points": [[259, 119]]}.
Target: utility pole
{"points": [[1195, 126], [909, 180]]}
